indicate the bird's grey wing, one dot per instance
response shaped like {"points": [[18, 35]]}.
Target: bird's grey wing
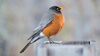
{"points": [[35, 31], [46, 19]]}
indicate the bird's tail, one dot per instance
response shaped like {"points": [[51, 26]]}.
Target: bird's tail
{"points": [[25, 47], [29, 44], [34, 35]]}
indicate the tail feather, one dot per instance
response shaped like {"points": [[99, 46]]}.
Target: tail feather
{"points": [[34, 35], [36, 39], [25, 47], [29, 44]]}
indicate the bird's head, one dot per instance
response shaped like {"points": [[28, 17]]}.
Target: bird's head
{"points": [[56, 9]]}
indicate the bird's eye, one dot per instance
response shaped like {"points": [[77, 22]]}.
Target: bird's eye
{"points": [[58, 9]]}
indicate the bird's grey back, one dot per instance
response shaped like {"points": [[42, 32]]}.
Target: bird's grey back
{"points": [[45, 20]]}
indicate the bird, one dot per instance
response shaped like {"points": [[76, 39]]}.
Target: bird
{"points": [[51, 24]]}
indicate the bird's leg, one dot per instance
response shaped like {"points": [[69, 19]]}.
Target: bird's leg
{"points": [[50, 41]]}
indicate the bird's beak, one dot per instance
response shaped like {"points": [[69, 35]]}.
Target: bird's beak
{"points": [[61, 8]]}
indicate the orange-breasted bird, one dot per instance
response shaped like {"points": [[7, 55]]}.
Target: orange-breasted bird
{"points": [[51, 24]]}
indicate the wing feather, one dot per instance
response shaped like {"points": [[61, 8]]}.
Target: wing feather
{"points": [[45, 21]]}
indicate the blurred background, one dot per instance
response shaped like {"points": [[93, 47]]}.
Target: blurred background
{"points": [[18, 18]]}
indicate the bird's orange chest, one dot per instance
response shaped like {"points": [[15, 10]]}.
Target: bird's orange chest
{"points": [[55, 26], [58, 20]]}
